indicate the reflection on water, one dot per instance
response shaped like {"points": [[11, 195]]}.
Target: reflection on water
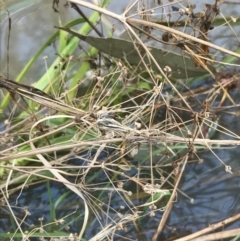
{"points": [[32, 25], [36, 201], [214, 191]]}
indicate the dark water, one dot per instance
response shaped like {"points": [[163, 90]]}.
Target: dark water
{"points": [[210, 195], [215, 193], [36, 200]]}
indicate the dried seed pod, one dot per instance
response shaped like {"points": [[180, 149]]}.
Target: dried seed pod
{"points": [[166, 36]]}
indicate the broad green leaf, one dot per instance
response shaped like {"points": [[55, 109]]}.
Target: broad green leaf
{"points": [[126, 50]]}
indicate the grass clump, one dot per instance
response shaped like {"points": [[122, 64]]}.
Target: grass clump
{"points": [[121, 110]]}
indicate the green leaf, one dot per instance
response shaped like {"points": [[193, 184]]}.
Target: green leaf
{"points": [[156, 198], [123, 49], [5, 101]]}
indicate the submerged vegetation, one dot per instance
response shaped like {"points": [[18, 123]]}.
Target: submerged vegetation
{"points": [[116, 118]]}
